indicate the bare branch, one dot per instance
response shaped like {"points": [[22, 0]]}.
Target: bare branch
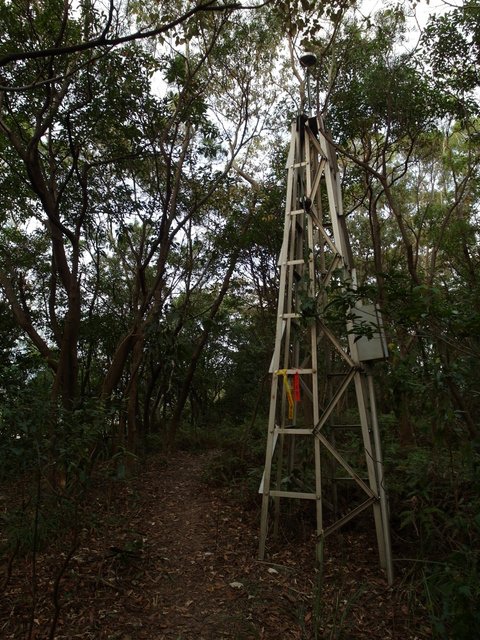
{"points": [[245, 176], [104, 41], [24, 321]]}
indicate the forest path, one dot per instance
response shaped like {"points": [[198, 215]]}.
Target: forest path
{"points": [[172, 558]]}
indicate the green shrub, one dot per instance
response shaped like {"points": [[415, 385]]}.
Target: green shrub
{"points": [[453, 596], [37, 524]]}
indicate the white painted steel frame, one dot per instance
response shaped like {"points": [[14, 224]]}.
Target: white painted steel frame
{"points": [[311, 157]]}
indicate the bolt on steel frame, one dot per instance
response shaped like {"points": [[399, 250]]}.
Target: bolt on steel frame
{"points": [[330, 360]]}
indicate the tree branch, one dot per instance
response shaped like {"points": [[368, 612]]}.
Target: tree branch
{"points": [[25, 322], [103, 41]]}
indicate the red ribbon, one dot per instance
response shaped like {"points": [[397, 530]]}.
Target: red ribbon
{"points": [[296, 387]]}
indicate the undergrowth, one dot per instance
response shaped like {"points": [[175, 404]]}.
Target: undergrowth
{"points": [[434, 494]]}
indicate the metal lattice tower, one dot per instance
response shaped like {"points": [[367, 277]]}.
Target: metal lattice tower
{"points": [[319, 363]]}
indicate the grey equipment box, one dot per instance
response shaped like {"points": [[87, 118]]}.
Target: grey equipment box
{"points": [[372, 346]]}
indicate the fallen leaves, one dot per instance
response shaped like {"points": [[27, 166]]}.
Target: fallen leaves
{"points": [[173, 558], [236, 585]]}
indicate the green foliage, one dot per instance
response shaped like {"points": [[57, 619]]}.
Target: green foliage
{"points": [[452, 43], [154, 443], [369, 59], [24, 429], [239, 462], [30, 26], [38, 523], [434, 491], [148, 222], [39, 437], [453, 595], [225, 470]]}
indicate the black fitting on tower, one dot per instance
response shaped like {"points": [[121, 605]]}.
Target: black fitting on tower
{"points": [[308, 60]]}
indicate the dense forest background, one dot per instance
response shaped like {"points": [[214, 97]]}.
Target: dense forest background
{"points": [[142, 153]]}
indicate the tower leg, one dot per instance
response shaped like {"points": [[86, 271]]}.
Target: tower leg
{"points": [[370, 460], [380, 480]]}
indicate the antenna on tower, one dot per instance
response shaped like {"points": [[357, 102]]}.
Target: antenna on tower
{"points": [[308, 60]]}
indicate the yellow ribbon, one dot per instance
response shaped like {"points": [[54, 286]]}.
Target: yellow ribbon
{"points": [[288, 391]]}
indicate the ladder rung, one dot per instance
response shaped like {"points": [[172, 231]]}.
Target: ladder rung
{"points": [[298, 164], [291, 372], [285, 316], [292, 262], [345, 426], [295, 432], [331, 375], [296, 212], [293, 494]]}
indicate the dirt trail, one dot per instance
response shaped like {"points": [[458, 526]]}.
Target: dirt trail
{"points": [[174, 559]]}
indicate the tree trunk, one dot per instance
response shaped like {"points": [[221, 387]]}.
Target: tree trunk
{"points": [[203, 337], [132, 401], [65, 384]]}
